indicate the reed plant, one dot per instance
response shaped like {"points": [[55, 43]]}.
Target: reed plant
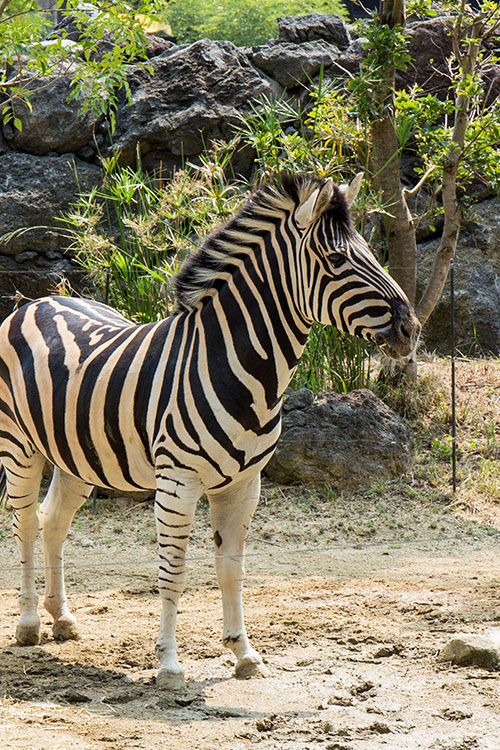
{"points": [[133, 233], [333, 361]]}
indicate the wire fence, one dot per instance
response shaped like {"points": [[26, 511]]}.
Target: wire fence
{"points": [[393, 543]]}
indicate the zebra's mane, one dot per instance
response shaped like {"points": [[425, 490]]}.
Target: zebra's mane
{"points": [[266, 202]]}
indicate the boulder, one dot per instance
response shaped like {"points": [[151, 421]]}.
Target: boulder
{"points": [[196, 92], [291, 64], [34, 190], [52, 124], [430, 47], [470, 649], [343, 440], [477, 285], [313, 26]]}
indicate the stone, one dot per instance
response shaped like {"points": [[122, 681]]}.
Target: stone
{"points": [[477, 285], [34, 190], [314, 26], [291, 64], [342, 440], [25, 256], [470, 649], [430, 47], [196, 92], [53, 123], [35, 278]]}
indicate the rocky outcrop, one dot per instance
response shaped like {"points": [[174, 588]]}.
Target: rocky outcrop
{"points": [[340, 440], [195, 94], [477, 284], [198, 91]]}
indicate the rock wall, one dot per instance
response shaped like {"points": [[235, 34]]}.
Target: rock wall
{"points": [[196, 93]]}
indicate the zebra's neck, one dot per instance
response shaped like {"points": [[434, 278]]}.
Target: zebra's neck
{"points": [[250, 328]]}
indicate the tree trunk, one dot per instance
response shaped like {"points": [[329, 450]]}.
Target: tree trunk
{"points": [[397, 219]]}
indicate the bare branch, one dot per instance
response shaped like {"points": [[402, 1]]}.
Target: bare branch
{"points": [[414, 190]]}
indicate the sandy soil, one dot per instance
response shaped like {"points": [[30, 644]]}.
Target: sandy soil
{"points": [[349, 619]]}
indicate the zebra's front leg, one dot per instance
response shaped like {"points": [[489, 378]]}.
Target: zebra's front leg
{"points": [[23, 494], [175, 505], [231, 513], [66, 494]]}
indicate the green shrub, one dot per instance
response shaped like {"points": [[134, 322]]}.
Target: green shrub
{"points": [[132, 234], [244, 22]]}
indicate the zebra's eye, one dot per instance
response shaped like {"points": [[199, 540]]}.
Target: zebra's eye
{"points": [[336, 259]]}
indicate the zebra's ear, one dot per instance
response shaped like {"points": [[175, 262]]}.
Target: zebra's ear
{"points": [[351, 189], [314, 206]]}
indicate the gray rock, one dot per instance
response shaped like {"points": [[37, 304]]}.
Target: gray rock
{"points": [[341, 440], [34, 190], [291, 64], [314, 26], [196, 92], [468, 649], [25, 256], [35, 278], [53, 124], [477, 285]]}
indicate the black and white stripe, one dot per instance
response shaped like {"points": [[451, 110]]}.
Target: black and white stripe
{"points": [[190, 404]]}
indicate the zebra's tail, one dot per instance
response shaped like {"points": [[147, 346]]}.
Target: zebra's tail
{"points": [[3, 487]]}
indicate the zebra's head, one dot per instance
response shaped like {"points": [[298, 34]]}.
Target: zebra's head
{"points": [[342, 282]]}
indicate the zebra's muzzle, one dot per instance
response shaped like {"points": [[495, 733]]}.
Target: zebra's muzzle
{"points": [[400, 338]]}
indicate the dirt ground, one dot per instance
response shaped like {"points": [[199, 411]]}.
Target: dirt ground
{"points": [[348, 599]]}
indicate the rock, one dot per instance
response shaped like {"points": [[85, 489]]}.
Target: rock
{"points": [[341, 440], [25, 256], [291, 64], [466, 650], [35, 278], [314, 26], [477, 285], [73, 696], [430, 47], [4, 146], [53, 123], [34, 190], [196, 93]]}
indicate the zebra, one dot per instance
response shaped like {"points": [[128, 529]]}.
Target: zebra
{"points": [[189, 404]]}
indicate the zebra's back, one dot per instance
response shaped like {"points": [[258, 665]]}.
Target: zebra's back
{"points": [[74, 386]]}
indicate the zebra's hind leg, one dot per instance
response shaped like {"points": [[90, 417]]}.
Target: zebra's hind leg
{"points": [[175, 504], [66, 494], [231, 512], [23, 477]]}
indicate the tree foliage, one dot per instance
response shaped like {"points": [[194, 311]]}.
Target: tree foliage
{"points": [[92, 45]]}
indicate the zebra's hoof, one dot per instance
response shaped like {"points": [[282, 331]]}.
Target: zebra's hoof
{"points": [[65, 630], [169, 680], [248, 667], [28, 634]]}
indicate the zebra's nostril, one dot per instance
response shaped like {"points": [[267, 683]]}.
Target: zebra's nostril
{"points": [[405, 332]]}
